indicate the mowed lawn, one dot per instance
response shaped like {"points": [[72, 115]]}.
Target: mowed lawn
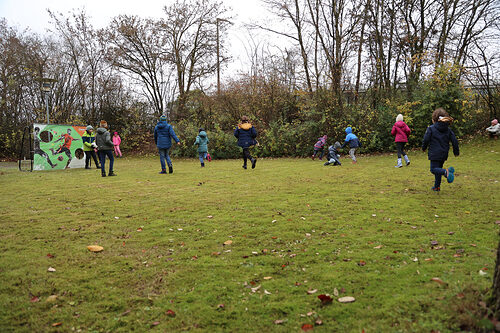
{"points": [[222, 249]]}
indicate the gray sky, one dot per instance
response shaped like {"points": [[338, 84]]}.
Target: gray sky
{"points": [[32, 14]]}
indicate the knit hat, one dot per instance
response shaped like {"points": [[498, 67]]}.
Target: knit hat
{"points": [[115, 133], [163, 117], [494, 122], [103, 123], [399, 117], [89, 128]]}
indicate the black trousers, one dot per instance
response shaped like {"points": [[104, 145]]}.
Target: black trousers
{"points": [[401, 146], [88, 155], [246, 155]]}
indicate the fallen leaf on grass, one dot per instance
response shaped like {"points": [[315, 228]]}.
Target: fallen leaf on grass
{"points": [[438, 280], [170, 313], [335, 292], [428, 259], [255, 289], [215, 254], [156, 323], [325, 299], [228, 242], [34, 299], [51, 299], [482, 273], [434, 243], [95, 248], [267, 292], [362, 263], [450, 233], [51, 269], [279, 321], [346, 299], [274, 237], [56, 324], [220, 306], [312, 291], [139, 229], [473, 245], [378, 247], [456, 255], [50, 255], [125, 313], [209, 216], [319, 322], [268, 277], [307, 327]]}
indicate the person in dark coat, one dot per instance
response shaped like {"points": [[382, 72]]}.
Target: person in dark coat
{"points": [[164, 133], [246, 134], [333, 154], [105, 148], [437, 138]]}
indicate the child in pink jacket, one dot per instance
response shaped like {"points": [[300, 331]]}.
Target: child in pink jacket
{"points": [[116, 142], [401, 131]]}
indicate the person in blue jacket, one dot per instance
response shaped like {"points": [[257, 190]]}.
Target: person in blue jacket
{"points": [[246, 134], [437, 138], [202, 142], [353, 142], [164, 133]]}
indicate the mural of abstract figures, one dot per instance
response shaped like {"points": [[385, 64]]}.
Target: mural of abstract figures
{"points": [[57, 147]]}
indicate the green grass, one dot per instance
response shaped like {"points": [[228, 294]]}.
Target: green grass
{"points": [[304, 225]]}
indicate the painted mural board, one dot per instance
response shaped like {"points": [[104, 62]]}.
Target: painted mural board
{"points": [[58, 147]]}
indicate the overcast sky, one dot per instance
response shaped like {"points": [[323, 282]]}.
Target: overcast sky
{"points": [[33, 14]]}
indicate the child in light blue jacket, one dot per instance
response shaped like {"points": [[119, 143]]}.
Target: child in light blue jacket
{"points": [[353, 142], [202, 143]]}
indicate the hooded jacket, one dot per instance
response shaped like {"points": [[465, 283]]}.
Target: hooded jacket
{"points": [[333, 153], [401, 131], [437, 138], [246, 135], [103, 139], [351, 139], [87, 139], [164, 133], [321, 142], [117, 140], [202, 141]]}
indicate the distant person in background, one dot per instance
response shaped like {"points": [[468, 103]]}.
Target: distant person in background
{"points": [[494, 129], [353, 142], [246, 134], [401, 131], [116, 142], [105, 148], [437, 138], [39, 151], [89, 145], [202, 143], [164, 133], [319, 147]]}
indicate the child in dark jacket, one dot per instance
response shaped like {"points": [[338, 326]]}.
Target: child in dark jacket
{"points": [[401, 131], [319, 147], [246, 134], [437, 138], [353, 142], [333, 155]]}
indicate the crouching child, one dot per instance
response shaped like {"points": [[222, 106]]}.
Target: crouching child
{"points": [[333, 155]]}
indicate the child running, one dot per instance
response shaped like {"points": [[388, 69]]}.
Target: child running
{"points": [[163, 135], [202, 143], [437, 138], [401, 131], [353, 142], [246, 134], [319, 147], [333, 155]]}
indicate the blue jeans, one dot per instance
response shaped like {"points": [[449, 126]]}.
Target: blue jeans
{"points": [[438, 171], [102, 158], [164, 155], [202, 156]]}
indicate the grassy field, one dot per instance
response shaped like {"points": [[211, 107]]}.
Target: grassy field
{"points": [[222, 249]]}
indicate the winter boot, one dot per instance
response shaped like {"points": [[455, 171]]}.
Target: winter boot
{"points": [[170, 169], [400, 164], [244, 166], [163, 171], [103, 174], [407, 160], [254, 160], [202, 165], [110, 174], [450, 174]]}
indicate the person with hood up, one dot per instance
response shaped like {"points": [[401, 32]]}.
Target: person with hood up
{"points": [[89, 145], [116, 142], [319, 147], [437, 138], [105, 148], [401, 131], [164, 133], [246, 134], [202, 142], [353, 142], [494, 129], [333, 155]]}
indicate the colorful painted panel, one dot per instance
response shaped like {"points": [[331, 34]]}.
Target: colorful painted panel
{"points": [[58, 147]]}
